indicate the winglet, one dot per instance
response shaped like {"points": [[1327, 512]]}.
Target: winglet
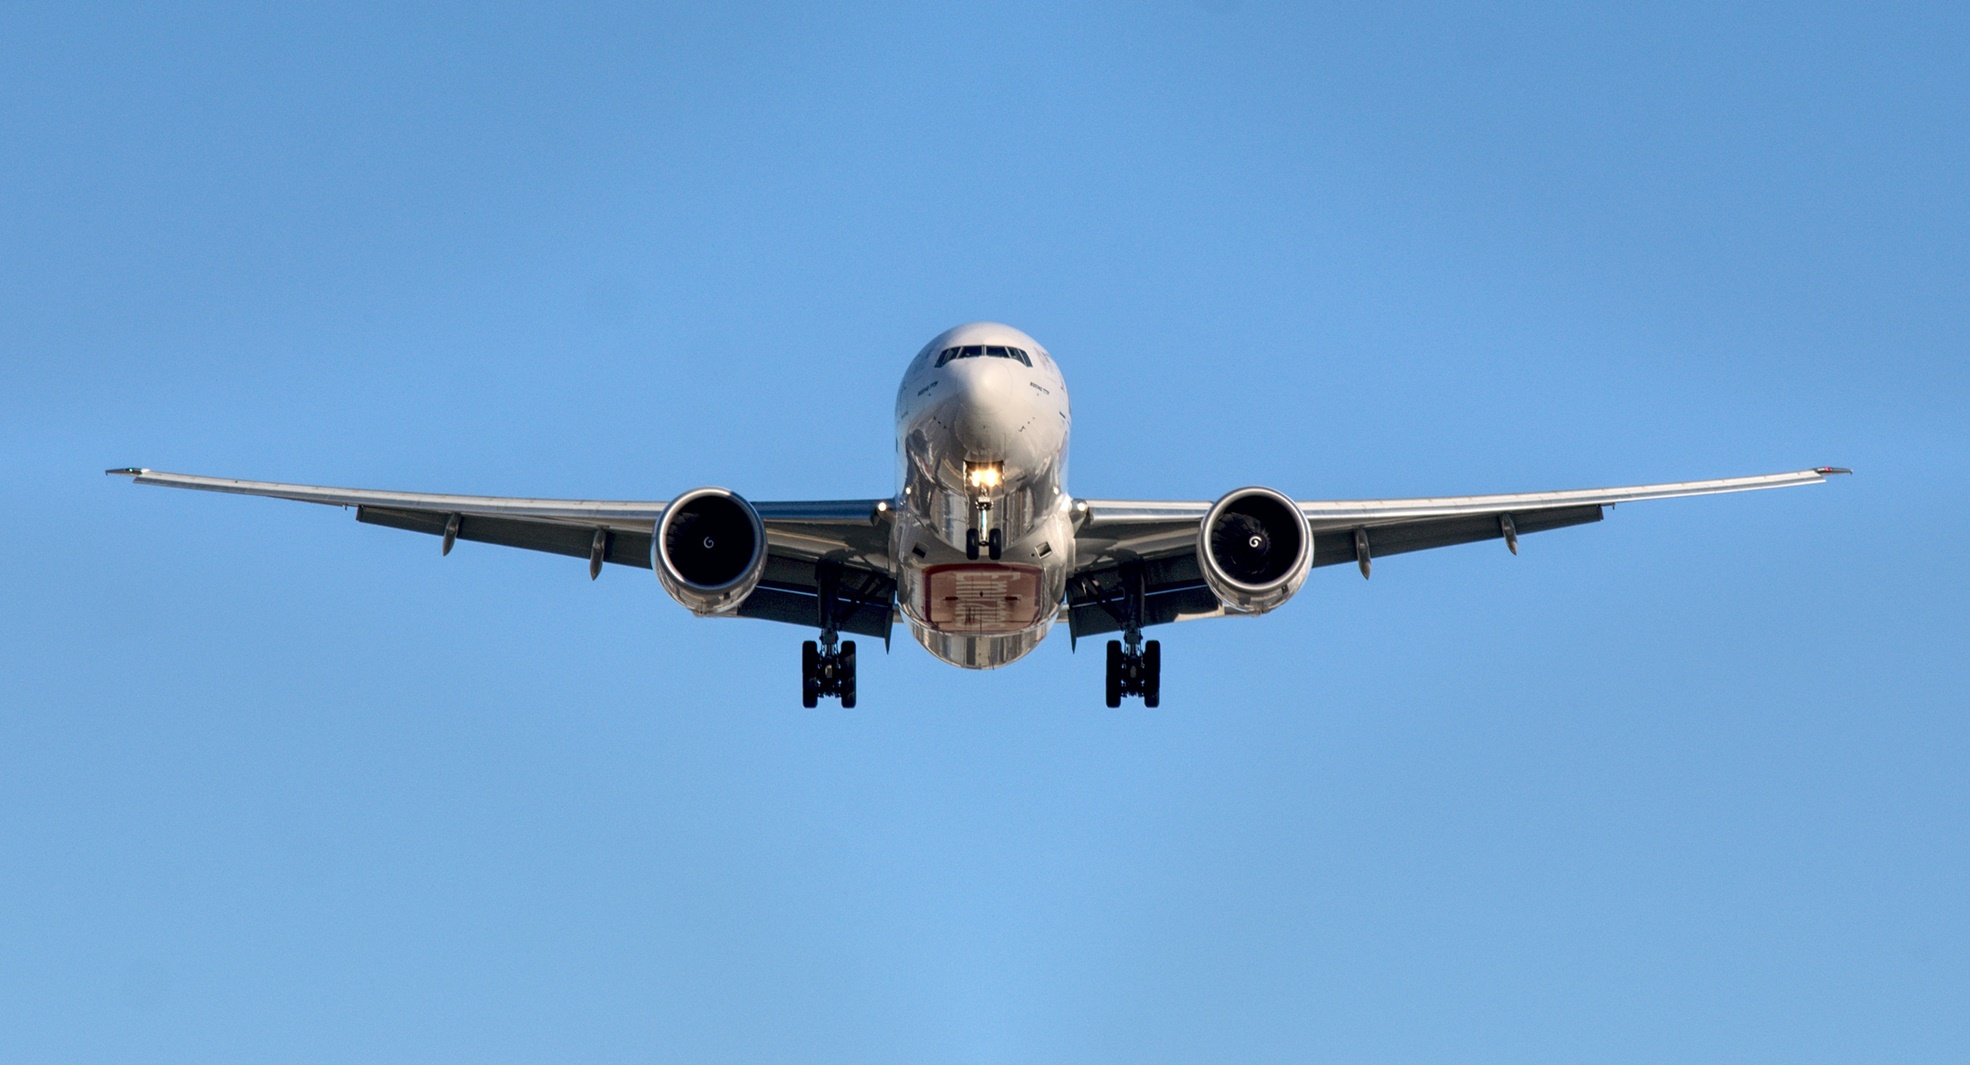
{"points": [[1827, 471], [128, 471]]}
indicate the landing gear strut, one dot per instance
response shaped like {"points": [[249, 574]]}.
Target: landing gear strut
{"points": [[827, 666]]}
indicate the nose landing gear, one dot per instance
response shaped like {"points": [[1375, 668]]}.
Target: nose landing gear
{"points": [[992, 540]]}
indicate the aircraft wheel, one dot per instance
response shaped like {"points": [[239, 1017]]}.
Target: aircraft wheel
{"points": [[1152, 673], [997, 543], [1114, 689], [971, 544], [845, 674], [810, 674]]}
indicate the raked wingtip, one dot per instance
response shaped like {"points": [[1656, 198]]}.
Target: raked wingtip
{"points": [[1828, 471], [127, 471]]}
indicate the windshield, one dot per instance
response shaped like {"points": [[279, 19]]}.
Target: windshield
{"points": [[989, 351]]}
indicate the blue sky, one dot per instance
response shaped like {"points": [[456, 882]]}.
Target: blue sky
{"points": [[1687, 785]]}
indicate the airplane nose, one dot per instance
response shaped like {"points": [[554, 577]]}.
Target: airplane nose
{"points": [[981, 405]]}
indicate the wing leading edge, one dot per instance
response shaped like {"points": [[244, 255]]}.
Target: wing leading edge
{"points": [[575, 510]]}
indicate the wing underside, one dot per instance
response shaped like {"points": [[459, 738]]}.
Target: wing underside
{"points": [[839, 545], [1121, 542]]}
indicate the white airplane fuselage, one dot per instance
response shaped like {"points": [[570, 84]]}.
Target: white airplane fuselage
{"points": [[981, 443]]}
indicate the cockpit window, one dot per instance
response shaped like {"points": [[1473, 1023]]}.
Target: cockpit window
{"points": [[991, 351]]}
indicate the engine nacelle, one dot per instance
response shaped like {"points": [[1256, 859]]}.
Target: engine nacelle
{"points": [[709, 550], [1255, 549]]}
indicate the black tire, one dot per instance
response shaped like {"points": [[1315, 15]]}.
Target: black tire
{"points": [[845, 674], [1152, 673], [1114, 673], [810, 674], [971, 544], [996, 542]]}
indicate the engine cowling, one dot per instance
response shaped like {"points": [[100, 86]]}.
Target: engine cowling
{"points": [[1255, 549], [709, 550]]}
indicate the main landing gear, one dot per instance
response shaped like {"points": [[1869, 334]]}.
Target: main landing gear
{"points": [[827, 665], [1135, 672], [1135, 666], [829, 672]]}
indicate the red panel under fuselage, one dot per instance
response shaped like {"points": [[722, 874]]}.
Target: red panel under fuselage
{"points": [[983, 598]]}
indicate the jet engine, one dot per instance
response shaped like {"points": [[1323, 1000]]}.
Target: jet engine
{"points": [[1255, 549], [709, 550]]}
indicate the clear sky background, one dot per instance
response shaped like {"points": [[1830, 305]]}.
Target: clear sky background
{"points": [[1686, 786]]}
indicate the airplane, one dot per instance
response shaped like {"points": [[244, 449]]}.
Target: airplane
{"points": [[981, 550]]}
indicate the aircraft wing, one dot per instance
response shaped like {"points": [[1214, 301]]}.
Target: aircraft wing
{"points": [[1161, 537], [801, 537]]}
